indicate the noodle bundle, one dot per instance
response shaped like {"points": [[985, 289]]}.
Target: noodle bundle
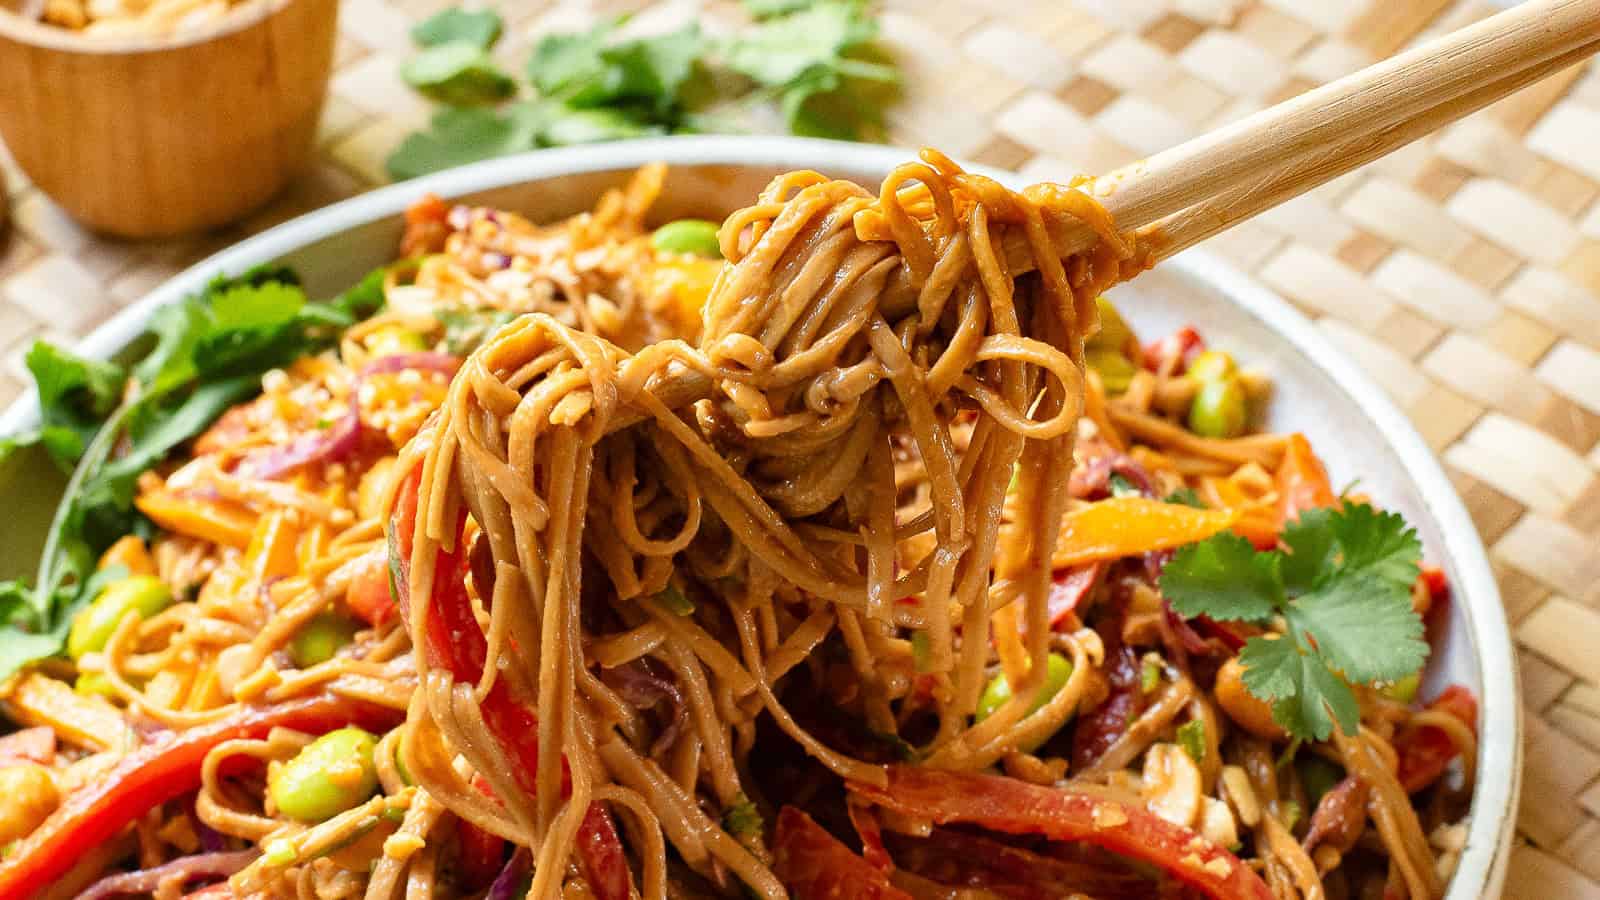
{"points": [[657, 573]]}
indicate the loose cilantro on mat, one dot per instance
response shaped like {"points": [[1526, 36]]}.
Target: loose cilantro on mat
{"points": [[480, 27], [814, 62], [1343, 588], [106, 424]]}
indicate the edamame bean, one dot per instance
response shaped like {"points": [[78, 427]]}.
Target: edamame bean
{"points": [[94, 684], [319, 639], [1114, 333], [696, 236], [1057, 670], [1219, 410], [1318, 775], [1404, 690], [1115, 370], [94, 626], [1213, 365], [330, 775], [392, 340]]}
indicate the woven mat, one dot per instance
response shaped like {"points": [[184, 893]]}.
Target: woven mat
{"points": [[1464, 272]]}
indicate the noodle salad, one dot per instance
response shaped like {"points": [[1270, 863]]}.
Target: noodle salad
{"points": [[854, 548]]}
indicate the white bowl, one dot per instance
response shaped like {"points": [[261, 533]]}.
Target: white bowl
{"points": [[1351, 422]]}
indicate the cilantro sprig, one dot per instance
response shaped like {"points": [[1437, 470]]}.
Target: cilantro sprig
{"points": [[106, 423], [1342, 586], [815, 62]]}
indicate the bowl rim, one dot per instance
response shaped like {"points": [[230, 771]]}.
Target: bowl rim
{"points": [[36, 33], [1481, 869]]}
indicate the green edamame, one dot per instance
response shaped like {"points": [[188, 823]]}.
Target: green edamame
{"points": [[1057, 670], [1114, 333], [392, 340], [319, 639], [1219, 410], [330, 775], [1318, 775], [1213, 365], [1115, 370], [696, 236], [95, 625], [1404, 690]]}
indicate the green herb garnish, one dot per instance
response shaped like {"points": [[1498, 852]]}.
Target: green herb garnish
{"points": [[459, 73], [1343, 588], [480, 27], [742, 819], [1192, 738], [921, 652], [815, 60], [1150, 674], [673, 601], [108, 424], [1121, 487], [1185, 496]]}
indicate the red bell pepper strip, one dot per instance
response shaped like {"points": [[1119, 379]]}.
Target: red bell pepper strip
{"points": [[1067, 591], [369, 595], [813, 865], [948, 856], [1011, 806], [1302, 481], [870, 831], [156, 773], [456, 642], [483, 855], [1424, 752]]}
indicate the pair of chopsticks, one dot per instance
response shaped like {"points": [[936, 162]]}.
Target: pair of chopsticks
{"points": [[1190, 192]]}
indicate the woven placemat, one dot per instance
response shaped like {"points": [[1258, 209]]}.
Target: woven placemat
{"points": [[1463, 272]]}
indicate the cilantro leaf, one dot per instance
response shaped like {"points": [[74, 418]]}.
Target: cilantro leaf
{"points": [[1184, 496], [1342, 585], [780, 51], [74, 395], [1379, 543], [567, 126], [831, 81], [459, 136], [588, 69], [1222, 577], [460, 73], [480, 27], [1363, 629], [1306, 697]]}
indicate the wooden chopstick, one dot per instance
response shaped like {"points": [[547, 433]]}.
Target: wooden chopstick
{"points": [[1246, 198], [1364, 105], [1244, 168]]}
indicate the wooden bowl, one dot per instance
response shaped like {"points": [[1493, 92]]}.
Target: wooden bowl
{"points": [[153, 136]]}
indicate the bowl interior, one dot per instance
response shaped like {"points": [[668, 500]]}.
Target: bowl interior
{"points": [[1352, 427]]}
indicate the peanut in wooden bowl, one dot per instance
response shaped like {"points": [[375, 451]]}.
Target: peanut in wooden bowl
{"points": [[158, 135]]}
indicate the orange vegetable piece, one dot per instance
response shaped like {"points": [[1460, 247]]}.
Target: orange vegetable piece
{"points": [[129, 552], [1129, 526], [1302, 481], [273, 547], [219, 523]]}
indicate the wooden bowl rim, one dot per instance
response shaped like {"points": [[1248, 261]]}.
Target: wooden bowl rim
{"points": [[38, 34]]}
